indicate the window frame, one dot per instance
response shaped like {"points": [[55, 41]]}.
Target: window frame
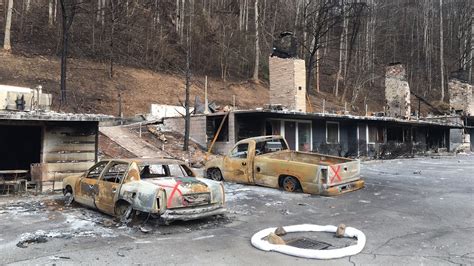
{"points": [[105, 163], [338, 132], [297, 122], [237, 147], [109, 166]]}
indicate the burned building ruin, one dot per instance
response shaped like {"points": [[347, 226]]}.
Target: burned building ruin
{"points": [[461, 103], [39, 146]]}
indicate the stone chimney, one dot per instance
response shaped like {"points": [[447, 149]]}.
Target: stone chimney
{"points": [[288, 83], [461, 96], [397, 92]]}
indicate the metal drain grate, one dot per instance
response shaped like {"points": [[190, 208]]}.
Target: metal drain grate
{"points": [[308, 243]]}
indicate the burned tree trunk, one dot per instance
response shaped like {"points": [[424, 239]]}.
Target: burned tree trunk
{"points": [[68, 10], [6, 43], [471, 53], [257, 49], [441, 47], [187, 122], [113, 19]]}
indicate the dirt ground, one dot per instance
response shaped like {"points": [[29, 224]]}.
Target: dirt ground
{"points": [[413, 212], [91, 90]]}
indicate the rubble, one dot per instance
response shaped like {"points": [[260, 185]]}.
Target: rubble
{"points": [[28, 239], [280, 231], [341, 229], [275, 239]]}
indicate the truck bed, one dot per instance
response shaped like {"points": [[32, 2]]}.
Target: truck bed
{"points": [[334, 170], [307, 157]]}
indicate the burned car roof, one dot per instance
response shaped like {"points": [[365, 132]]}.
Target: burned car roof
{"points": [[160, 160]]}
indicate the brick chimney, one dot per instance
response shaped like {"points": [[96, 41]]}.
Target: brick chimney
{"points": [[397, 92], [288, 83], [461, 98]]}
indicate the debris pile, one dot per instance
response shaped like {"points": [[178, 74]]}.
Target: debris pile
{"points": [[172, 144]]}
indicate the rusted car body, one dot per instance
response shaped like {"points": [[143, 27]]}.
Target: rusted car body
{"points": [[164, 187], [267, 161]]}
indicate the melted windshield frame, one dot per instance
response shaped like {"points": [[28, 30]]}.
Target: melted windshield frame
{"points": [[270, 145], [164, 170]]}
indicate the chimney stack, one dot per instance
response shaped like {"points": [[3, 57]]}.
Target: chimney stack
{"points": [[288, 83], [461, 94], [397, 92]]}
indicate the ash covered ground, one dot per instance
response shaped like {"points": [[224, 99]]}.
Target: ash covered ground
{"points": [[413, 211]]}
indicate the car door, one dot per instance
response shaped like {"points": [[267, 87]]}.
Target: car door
{"points": [[88, 185], [237, 164], [109, 185]]}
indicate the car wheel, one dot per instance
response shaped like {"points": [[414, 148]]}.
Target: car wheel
{"points": [[68, 198], [124, 212], [290, 184], [214, 174]]}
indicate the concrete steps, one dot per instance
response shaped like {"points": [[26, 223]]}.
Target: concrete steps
{"points": [[131, 142]]}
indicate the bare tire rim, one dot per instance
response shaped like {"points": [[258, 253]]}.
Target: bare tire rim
{"points": [[289, 184], [68, 198], [216, 175], [125, 212]]}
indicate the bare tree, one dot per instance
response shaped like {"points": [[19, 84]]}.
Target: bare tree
{"points": [[113, 21], [441, 48], [8, 24], [319, 18], [257, 49], [50, 12], [471, 54], [187, 122], [68, 11], [341, 49]]}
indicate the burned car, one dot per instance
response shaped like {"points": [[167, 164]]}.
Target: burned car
{"points": [[267, 161], [163, 187]]}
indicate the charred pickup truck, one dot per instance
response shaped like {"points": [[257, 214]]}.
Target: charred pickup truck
{"points": [[267, 161], [166, 188]]}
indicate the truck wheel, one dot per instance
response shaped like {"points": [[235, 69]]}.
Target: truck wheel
{"points": [[68, 196], [214, 174], [290, 184]]}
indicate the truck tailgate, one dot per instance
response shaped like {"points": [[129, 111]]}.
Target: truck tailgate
{"points": [[342, 173]]}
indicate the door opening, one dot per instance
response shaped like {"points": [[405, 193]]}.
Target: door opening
{"points": [[20, 146]]}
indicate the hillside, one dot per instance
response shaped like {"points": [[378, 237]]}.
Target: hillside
{"points": [[90, 90]]}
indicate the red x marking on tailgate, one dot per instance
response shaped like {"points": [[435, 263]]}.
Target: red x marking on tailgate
{"points": [[336, 173]]}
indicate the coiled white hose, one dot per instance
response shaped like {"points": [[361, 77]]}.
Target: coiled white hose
{"points": [[259, 243]]}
